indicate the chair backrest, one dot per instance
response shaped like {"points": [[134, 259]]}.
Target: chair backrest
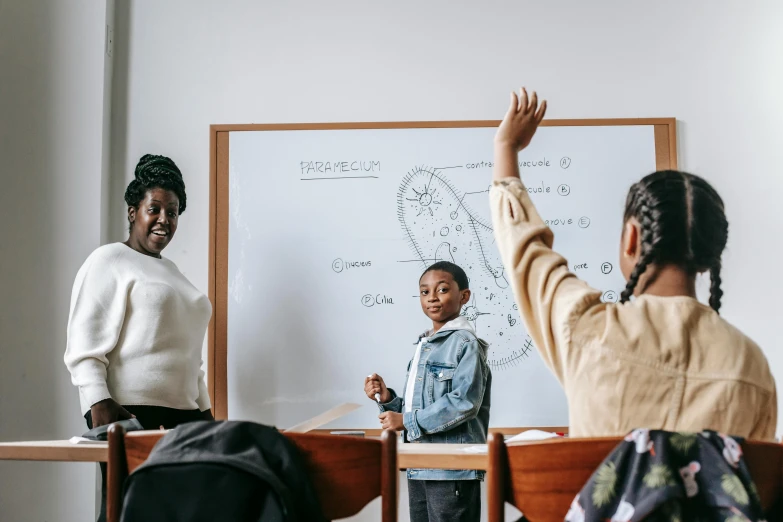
{"points": [[542, 478], [346, 472]]}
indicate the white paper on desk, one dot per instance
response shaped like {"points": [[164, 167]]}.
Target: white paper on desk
{"points": [[82, 440], [476, 449], [533, 435]]}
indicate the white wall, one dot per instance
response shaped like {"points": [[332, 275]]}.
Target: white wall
{"points": [[51, 154]]}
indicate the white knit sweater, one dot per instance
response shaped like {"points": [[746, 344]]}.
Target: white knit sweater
{"points": [[135, 332]]}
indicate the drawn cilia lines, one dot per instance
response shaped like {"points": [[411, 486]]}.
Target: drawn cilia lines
{"points": [[439, 225]]}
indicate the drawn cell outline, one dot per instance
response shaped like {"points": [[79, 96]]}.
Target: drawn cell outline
{"points": [[428, 203]]}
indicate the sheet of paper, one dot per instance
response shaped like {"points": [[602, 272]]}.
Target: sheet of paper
{"points": [[533, 435], [324, 418], [82, 440], [476, 449]]}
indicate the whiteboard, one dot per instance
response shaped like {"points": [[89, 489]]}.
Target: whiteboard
{"points": [[329, 230]]}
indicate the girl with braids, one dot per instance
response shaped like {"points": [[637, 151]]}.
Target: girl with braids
{"points": [[136, 323], [659, 358]]}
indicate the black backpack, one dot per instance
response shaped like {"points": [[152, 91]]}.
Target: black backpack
{"points": [[221, 471]]}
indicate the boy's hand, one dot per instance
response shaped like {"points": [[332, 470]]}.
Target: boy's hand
{"points": [[391, 421], [374, 384], [521, 121]]}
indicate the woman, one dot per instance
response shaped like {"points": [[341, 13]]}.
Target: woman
{"points": [[136, 324], [662, 360]]}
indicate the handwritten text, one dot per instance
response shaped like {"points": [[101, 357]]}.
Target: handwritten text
{"points": [[309, 167]]}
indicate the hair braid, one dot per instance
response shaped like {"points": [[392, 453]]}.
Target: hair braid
{"points": [[715, 292], [648, 241], [682, 224]]}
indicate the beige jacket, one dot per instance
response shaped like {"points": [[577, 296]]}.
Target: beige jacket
{"points": [[667, 363]]}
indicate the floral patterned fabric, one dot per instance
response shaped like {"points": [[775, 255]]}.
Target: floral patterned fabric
{"points": [[659, 476]]}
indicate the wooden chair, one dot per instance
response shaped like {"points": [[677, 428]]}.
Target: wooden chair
{"points": [[346, 472], [542, 478]]}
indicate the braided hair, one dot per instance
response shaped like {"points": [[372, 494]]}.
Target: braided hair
{"points": [[155, 171], [682, 222]]}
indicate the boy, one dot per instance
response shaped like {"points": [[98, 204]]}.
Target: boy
{"points": [[446, 398]]}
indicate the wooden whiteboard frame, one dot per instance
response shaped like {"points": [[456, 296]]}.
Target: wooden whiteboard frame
{"points": [[217, 371]]}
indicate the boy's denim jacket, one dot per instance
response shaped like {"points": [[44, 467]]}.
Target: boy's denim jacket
{"points": [[450, 398]]}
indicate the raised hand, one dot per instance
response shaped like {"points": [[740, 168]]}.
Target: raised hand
{"points": [[521, 121]]}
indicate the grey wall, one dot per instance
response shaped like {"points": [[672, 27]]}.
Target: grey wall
{"points": [[52, 155]]}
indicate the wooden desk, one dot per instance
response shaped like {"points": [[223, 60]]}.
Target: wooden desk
{"points": [[54, 450], [441, 456], [431, 456]]}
